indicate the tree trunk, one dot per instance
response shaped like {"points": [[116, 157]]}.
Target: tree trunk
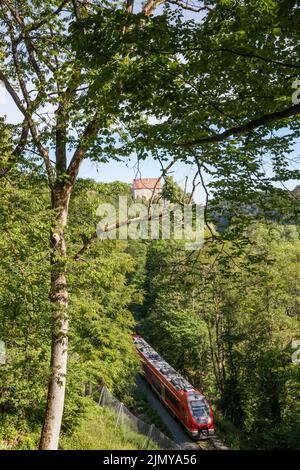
{"points": [[210, 326], [59, 299]]}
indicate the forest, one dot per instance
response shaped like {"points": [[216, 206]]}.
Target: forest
{"points": [[209, 85]]}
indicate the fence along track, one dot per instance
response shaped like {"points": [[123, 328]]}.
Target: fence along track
{"points": [[128, 422]]}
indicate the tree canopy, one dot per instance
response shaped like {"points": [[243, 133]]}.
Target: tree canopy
{"points": [[212, 84]]}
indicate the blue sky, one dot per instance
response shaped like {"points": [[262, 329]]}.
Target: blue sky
{"points": [[127, 170]]}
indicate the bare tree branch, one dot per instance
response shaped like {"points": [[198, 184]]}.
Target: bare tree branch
{"points": [[33, 130], [129, 6], [194, 186], [187, 6], [110, 228], [265, 120], [75, 9], [206, 198], [151, 5], [20, 147], [250, 55], [163, 173], [89, 133], [46, 16], [18, 68], [13, 93], [29, 44]]}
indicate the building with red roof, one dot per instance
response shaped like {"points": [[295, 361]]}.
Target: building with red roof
{"points": [[146, 188]]}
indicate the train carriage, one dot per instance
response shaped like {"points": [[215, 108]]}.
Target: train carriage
{"points": [[188, 404]]}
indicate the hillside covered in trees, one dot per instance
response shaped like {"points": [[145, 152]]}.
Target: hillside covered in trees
{"points": [[224, 317], [211, 86]]}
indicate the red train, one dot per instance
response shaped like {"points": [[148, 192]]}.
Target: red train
{"points": [[188, 404]]}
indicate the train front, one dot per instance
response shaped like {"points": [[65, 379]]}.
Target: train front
{"points": [[202, 420]]}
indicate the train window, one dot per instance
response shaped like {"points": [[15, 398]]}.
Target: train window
{"points": [[199, 408], [172, 399], [157, 386], [153, 378]]}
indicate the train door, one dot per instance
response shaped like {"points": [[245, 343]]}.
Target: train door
{"points": [[182, 413]]}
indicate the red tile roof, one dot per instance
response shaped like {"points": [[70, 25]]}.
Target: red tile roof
{"points": [[146, 183]]}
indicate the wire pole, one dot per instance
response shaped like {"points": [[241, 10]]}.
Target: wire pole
{"points": [[120, 411], [101, 396], [147, 442]]}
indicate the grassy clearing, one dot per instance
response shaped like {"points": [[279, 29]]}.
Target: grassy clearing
{"points": [[97, 431]]}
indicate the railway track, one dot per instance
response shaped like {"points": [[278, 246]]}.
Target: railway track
{"points": [[212, 444], [178, 434]]}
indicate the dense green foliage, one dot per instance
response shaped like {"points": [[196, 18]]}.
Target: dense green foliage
{"points": [[220, 86], [224, 316], [101, 325], [226, 320], [97, 80]]}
